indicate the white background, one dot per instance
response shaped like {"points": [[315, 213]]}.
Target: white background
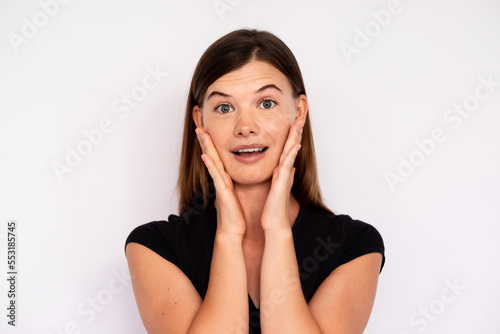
{"points": [[367, 110]]}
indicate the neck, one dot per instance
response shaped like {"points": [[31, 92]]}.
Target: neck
{"points": [[252, 199]]}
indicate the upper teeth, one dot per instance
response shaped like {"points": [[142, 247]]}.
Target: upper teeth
{"points": [[250, 150]]}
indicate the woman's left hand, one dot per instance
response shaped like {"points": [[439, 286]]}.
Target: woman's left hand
{"points": [[276, 212]]}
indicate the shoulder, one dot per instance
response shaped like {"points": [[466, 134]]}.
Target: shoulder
{"points": [[160, 236], [360, 238], [167, 237], [186, 241], [350, 238], [324, 241]]}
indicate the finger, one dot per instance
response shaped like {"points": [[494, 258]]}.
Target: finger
{"points": [[294, 137], [286, 167], [208, 147], [289, 159], [212, 152], [214, 172]]}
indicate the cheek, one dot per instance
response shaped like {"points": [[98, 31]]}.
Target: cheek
{"points": [[210, 126], [220, 140], [215, 136], [281, 119], [278, 129], [283, 136]]}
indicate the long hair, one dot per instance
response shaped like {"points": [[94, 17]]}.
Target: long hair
{"points": [[227, 54]]}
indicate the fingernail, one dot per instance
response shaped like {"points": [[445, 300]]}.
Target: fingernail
{"points": [[299, 127], [199, 135]]}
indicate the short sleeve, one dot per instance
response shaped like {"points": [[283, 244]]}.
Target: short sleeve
{"points": [[360, 238], [159, 236]]}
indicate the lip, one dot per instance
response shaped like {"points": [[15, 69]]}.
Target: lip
{"points": [[252, 158], [237, 148]]}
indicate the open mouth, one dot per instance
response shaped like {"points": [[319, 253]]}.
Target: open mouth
{"points": [[246, 152]]}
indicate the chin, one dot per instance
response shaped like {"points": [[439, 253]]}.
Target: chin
{"points": [[251, 174], [250, 178]]}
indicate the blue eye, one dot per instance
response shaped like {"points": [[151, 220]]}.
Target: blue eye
{"points": [[267, 104], [224, 108]]}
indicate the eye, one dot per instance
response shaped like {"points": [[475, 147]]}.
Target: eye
{"points": [[224, 108], [267, 104]]}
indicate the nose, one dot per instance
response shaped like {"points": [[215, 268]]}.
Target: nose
{"points": [[246, 123]]}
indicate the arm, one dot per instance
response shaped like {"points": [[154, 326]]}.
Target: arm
{"points": [[343, 302], [168, 302], [280, 276], [341, 305], [225, 306], [166, 299], [279, 270]]}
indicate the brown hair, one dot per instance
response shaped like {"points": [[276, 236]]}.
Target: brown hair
{"points": [[227, 54]]}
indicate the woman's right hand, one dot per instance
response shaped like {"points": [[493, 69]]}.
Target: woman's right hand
{"points": [[230, 217]]}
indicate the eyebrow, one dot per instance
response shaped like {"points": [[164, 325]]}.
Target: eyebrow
{"points": [[263, 88], [260, 90]]}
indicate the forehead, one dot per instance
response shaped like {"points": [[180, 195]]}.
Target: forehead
{"points": [[251, 76]]}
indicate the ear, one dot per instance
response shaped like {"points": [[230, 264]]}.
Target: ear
{"points": [[198, 117], [302, 107]]}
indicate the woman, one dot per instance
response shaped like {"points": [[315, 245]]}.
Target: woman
{"points": [[254, 247]]}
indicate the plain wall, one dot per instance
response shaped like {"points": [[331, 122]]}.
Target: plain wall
{"points": [[404, 120]]}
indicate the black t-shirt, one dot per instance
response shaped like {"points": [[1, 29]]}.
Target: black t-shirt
{"points": [[323, 241]]}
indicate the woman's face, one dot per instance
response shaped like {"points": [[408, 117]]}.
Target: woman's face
{"points": [[248, 114]]}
